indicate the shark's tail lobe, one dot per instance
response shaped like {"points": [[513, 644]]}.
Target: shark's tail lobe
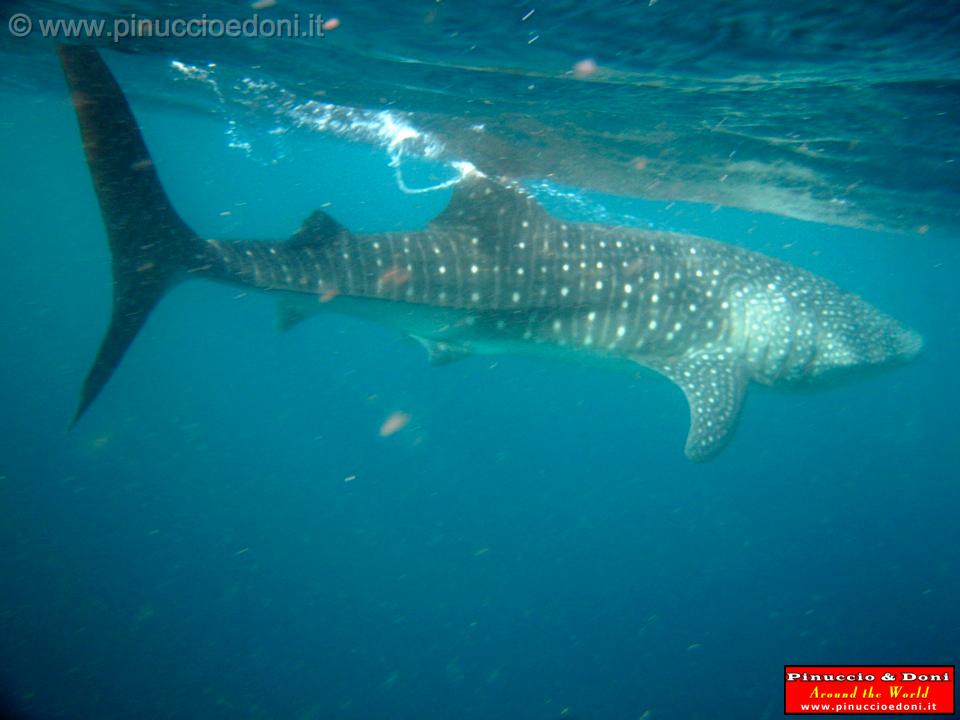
{"points": [[150, 244]]}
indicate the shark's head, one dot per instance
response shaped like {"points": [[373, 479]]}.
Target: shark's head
{"points": [[855, 336]]}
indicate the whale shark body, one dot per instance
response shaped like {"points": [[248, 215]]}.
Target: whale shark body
{"points": [[493, 273]]}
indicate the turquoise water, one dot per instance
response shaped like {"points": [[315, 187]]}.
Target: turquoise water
{"points": [[226, 534]]}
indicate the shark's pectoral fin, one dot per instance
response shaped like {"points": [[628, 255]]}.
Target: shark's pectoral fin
{"points": [[440, 352], [714, 384]]}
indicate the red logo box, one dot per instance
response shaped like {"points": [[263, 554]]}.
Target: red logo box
{"points": [[869, 689]]}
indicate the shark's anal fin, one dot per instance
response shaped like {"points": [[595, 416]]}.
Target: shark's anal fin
{"points": [[293, 310], [441, 352], [714, 384]]}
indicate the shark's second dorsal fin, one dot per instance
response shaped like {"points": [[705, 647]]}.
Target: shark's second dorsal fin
{"points": [[490, 208], [318, 229], [714, 384]]}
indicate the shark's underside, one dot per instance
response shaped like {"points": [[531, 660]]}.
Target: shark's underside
{"points": [[493, 273]]}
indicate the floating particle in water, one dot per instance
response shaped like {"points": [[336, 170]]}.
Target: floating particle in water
{"points": [[395, 277], [395, 423], [585, 68], [331, 24], [639, 163], [263, 4], [328, 296]]}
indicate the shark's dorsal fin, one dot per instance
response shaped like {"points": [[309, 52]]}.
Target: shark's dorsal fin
{"points": [[714, 384], [318, 229], [490, 208]]}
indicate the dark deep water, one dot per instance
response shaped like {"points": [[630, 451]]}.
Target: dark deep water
{"points": [[227, 535]]}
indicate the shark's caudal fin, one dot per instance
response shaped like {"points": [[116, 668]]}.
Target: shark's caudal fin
{"points": [[151, 246]]}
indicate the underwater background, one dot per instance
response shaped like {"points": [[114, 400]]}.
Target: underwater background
{"points": [[228, 533]]}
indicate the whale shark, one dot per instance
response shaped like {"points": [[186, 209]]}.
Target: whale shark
{"points": [[493, 273]]}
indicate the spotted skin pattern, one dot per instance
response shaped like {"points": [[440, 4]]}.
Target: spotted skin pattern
{"points": [[493, 273], [508, 277]]}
